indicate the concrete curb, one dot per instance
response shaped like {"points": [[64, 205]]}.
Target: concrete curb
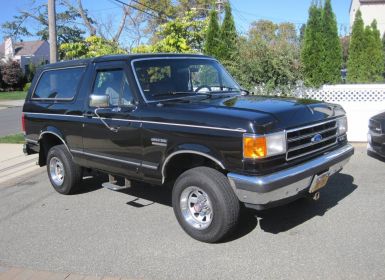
{"points": [[15, 273]]}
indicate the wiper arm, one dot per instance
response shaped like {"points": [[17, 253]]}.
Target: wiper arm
{"points": [[172, 93]]}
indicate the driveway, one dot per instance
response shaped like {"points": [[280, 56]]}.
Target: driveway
{"points": [[134, 233]]}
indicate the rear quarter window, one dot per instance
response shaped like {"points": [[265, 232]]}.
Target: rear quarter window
{"points": [[58, 84]]}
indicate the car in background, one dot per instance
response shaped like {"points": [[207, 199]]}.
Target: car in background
{"points": [[376, 136]]}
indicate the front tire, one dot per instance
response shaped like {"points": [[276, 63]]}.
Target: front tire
{"points": [[64, 174], [205, 205]]}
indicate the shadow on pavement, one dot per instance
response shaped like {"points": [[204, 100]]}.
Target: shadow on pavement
{"points": [[92, 181], [274, 220], [286, 217]]}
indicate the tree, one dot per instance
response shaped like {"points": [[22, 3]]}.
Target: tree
{"points": [[12, 75], [345, 50], [332, 49], [357, 48], [91, 47], [269, 55], [228, 36], [366, 56], [23, 24], [302, 32], [374, 53], [182, 35], [313, 48], [383, 46], [30, 72], [212, 42]]}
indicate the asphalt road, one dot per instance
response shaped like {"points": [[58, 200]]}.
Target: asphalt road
{"points": [[134, 233], [10, 121]]}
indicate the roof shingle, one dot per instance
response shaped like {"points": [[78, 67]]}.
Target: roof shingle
{"points": [[24, 48]]}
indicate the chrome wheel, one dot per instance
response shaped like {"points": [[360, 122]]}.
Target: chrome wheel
{"points": [[196, 208], [56, 170]]}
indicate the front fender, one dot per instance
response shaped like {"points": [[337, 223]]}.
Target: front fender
{"points": [[191, 148]]}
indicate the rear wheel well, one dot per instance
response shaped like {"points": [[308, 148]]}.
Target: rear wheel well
{"points": [[185, 161], [47, 141]]}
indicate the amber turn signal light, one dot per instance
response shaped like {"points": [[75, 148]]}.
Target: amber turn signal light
{"points": [[254, 147]]}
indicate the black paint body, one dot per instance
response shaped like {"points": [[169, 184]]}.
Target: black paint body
{"points": [[213, 126], [377, 136]]}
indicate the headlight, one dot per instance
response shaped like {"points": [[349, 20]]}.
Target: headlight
{"points": [[342, 125], [262, 146]]}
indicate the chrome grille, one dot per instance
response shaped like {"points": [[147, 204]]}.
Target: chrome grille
{"points": [[375, 126], [310, 139]]}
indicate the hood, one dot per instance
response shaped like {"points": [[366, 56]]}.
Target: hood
{"points": [[285, 112], [255, 114]]}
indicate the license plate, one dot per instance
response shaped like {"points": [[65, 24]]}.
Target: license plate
{"points": [[319, 182]]}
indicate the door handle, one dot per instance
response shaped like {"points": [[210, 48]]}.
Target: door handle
{"points": [[88, 115]]}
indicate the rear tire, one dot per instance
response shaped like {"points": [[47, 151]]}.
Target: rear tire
{"points": [[205, 205], [64, 174]]}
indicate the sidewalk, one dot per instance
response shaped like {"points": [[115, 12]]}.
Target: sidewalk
{"points": [[4, 104], [14, 165], [7, 273]]}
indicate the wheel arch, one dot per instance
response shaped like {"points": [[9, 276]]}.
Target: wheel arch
{"points": [[191, 152], [48, 138]]}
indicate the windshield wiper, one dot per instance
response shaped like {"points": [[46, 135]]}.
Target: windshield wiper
{"points": [[172, 93]]}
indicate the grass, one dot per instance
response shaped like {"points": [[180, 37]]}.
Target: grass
{"points": [[12, 95], [13, 139]]}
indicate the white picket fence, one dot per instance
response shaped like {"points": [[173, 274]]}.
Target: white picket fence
{"points": [[359, 101]]}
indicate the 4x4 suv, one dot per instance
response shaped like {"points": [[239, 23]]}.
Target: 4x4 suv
{"points": [[181, 120]]}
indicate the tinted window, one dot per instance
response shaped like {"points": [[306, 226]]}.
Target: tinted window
{"points": [[172, 78], [113, 83], [59, 84]]}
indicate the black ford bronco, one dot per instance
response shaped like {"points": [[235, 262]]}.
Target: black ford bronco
{"points": [[183, 121]]}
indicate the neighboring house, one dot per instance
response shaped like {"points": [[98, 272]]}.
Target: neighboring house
{"points": [[36, 52], [370, 9]]}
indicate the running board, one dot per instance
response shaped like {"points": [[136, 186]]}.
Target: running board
{"points": [[112, 184]]}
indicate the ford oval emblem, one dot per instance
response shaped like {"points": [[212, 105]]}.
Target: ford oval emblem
{"points": [[316, 138]]}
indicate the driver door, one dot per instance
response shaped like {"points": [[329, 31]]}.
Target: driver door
{"points": [[111, 141]]}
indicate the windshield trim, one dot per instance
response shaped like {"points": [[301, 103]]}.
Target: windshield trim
{"points": [[169, 57]]}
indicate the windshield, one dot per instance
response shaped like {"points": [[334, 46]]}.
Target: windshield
{"points": [[174, 78]]}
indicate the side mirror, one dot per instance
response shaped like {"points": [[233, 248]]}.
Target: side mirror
{"points": [[99, 101]]}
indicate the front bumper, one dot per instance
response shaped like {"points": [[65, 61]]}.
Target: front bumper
{"points": [[262, 192]]}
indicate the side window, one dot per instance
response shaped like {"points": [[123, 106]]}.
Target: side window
{"points": [[155, 79], [58, 84], [114, 83]]}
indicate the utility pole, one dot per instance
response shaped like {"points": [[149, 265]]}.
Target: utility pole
{"points": [[52, 31]]}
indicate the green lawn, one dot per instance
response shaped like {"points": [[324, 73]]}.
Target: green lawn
{"points": [[12, 95], [13, 139]]}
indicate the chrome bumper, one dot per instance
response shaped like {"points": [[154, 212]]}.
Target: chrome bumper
{"points": [[288, 183]]}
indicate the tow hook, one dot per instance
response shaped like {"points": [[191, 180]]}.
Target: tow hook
{"points": [[316, 196]]}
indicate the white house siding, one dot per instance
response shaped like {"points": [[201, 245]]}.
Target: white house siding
{"points": [[369, 13], [41, 56]]}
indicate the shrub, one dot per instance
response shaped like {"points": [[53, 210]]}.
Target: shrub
{"points": [[26, 86], [12, 75], [1, 78]]}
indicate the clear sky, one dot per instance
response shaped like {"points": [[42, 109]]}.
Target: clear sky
{"points": [[244, 11]]}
